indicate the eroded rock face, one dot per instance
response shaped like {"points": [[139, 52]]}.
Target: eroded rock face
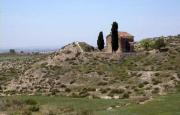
{"points": [[71, 51]]}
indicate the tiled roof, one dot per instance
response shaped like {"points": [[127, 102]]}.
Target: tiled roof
{"points": [[122, 34]]}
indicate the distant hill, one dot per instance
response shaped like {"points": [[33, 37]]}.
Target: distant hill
{"points": [[79, 70], [26, 50]]}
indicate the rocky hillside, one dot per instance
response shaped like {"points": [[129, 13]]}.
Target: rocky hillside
{"points": [[79, 70], [12, 66]]}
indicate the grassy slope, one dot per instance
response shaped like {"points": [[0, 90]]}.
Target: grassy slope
{"points": [[163, 105]]}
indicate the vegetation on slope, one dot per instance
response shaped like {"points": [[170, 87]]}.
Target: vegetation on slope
{"points": [[71, 72], [14, 65], [45, 105]]}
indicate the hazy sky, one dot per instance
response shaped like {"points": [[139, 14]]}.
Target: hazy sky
{"points": [[54, 23]]}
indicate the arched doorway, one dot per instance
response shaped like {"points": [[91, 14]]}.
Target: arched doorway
{"points": [[127, 46]]}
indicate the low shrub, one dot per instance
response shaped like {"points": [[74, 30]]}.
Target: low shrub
{"points": [[157, 74], [31, 102], [116, 91], [172, 78], [67, 90], [103, 91], [156, 81], [139, 74], [17, 103], [50, 112], [91, 89], [3, 105], [102, 83], [25, 112], [178, 75], [3, 78], [136, 89], [178, 86], [83, 93], [63, 86], [145, 82], [141, 85], [54, 91], [148, 88], [125, 95], [155, 90], [34, 108]]}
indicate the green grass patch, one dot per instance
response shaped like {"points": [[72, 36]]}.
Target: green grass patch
{"points": [[162, 105]]}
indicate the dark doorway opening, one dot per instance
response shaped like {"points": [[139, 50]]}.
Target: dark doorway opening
{"points": [[127, 46]]}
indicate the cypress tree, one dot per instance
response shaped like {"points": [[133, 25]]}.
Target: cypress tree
{"points": [[100, 41], [114, 36]]}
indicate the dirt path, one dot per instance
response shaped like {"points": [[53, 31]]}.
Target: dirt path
{"points": [[77, 43]]}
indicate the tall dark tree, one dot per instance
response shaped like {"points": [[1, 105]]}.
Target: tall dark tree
{"points": [[114, 36], [100, 41], [12, 51]]}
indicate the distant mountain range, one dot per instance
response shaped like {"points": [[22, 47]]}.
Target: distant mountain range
{"points": [[26, 50]]}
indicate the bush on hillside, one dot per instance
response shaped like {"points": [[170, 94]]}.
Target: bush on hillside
{"points": [[159, 43], [34, 108], [125, 95], [31, 102], [147, 44], [150, 43]]}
